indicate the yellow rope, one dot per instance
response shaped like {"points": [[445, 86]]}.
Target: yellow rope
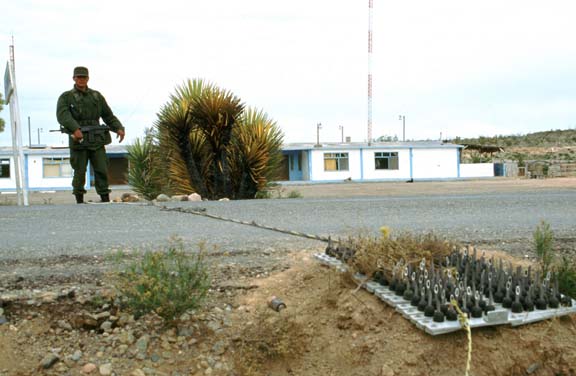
{"points": [[463, 319]]}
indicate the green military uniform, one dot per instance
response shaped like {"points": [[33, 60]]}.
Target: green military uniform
{"points": [[83, 109]]}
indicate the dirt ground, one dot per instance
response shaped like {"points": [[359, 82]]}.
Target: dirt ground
{"points": [[330, 326]]}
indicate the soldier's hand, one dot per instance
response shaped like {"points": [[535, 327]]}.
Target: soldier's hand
{"points": [[77, 135], [120, 134]]}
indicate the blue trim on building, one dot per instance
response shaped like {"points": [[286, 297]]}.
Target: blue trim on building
{"points": [[411, 164], [361, 165], [458, 162], [309, 164]]}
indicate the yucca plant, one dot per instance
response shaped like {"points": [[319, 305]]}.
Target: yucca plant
{"points": [[257, 153], [207, 143], [215, 113]]}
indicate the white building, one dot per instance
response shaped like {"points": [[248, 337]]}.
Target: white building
{"points": [[378, 162], [48, 168]]}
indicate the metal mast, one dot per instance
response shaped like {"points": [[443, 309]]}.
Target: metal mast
{"points": [[370, 8]]}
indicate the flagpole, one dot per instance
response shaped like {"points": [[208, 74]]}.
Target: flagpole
{"points": [[21, 186]]}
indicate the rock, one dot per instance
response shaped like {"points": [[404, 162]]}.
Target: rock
{"points": [[142, 343], [214, 326], [194, 197], [76, 356], [130, 197], [533, 368], [88, 368], [102, 316], [185, 331], [105, 369], [137, 372], [155, 357], [106, 326], [49, 360], [219, 348], [162, 198], [63, 324], [3, 320], [224, 199], [179, 198], [84, 320], [125, 319], [126, 338], [386, 371]]}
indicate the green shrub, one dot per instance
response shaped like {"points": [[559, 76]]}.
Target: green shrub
{"points": [[567, 277], [294, 194], [544, 246], [165, 282]]}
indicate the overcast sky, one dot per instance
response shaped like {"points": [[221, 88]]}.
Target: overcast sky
{"points": [[451, 67]]}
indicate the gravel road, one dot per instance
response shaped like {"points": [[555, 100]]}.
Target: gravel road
{"points": [[503, 220]]}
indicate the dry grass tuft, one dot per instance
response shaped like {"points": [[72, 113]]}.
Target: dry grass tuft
{"points": [[373, 254]]}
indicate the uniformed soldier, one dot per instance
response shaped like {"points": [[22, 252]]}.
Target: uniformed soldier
{"points": [[79, 111]]}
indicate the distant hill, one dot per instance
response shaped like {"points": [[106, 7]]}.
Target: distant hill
{"points": [[538, 139], [554, 146]]}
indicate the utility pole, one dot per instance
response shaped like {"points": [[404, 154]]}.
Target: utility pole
{"points": [[29, 133], [403, 118], [341, 127], [318, 127], [39, 130], [370, 21]]}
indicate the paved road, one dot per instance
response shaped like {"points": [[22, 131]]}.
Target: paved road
{"points": [[498, 218]]}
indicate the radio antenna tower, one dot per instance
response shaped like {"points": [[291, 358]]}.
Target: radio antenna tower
{"points": [[370, 8]]}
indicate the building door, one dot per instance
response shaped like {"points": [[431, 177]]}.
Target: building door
{"points": [[295, 164]]}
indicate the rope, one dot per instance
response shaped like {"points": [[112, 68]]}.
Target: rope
{"points": [[202, 212], [463, 319]]}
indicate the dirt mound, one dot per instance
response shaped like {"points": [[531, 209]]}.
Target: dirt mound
{"points": [[330, 327]]}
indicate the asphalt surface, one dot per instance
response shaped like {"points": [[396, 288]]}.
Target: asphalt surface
{"points": [[505, 219]]}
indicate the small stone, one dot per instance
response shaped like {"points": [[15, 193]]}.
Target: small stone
{"points": [[105, 369], [179, 198], [224, 199], [533, 368], [76, 356], [142, 343], [49, 360], [137, 372], [102, 316], [3, 320], [154, 357], [219, 348], [194, 197], [64, 325], [214, 326], [386, 371], [88, 368], [106, 326], [126, 338], [162, 198]]}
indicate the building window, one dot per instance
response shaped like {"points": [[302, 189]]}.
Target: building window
{"points": [[57, 167], [335, 161], [386, 160], [4, 168]]}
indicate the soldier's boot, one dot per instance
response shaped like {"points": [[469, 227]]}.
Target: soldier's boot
{"points": [[105, 198], [79, 198]]}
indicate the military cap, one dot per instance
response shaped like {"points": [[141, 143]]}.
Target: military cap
{"points": [[81, 71]]}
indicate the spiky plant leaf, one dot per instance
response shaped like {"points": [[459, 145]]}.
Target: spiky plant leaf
{"points": [[143, 174]]}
